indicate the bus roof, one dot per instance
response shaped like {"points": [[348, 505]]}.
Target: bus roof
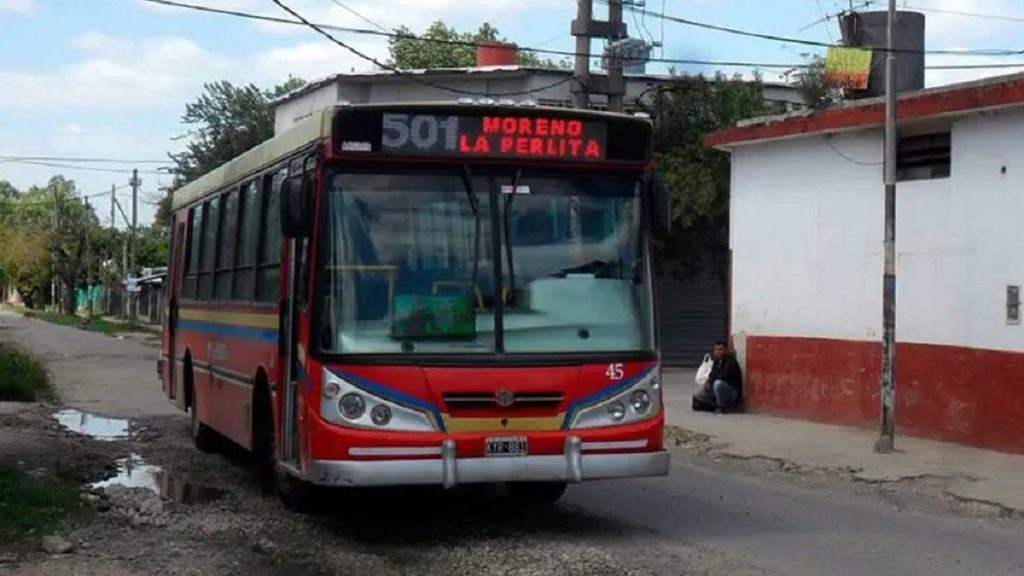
{"points": [[317, 127], [306, 132]]}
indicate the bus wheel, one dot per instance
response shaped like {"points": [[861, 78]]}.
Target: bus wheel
{"points": [[203, 436], [536, 493], [296, 495]]}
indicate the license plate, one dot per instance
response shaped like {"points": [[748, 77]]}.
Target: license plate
{"points": [[508, 446]]}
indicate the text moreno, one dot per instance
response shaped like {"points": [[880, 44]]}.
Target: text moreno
{"points": [[539, 137]]}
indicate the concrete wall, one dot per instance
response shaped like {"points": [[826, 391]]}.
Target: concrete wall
{"points": [[806, 238], [806, 290]]}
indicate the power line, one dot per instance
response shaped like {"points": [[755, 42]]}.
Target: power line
{"points": [[806, 42], [411, 77], [83, 168], [536, 50], [963, 13], [84, 160], [339, 4]]}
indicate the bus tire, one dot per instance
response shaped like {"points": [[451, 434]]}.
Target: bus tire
{"points": [[296, 495], [536, 493], [263, 446], [203, 436]]}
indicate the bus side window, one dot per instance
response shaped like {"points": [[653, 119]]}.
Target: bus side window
{"points": [[195, 231], [226, 243], [211, 218], [248, 226], [270, 240]]}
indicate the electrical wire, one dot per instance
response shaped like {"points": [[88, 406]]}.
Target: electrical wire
{"points": [[806, 42], [84, 160], [846, 157], [341, 5], [537, 50], [413, 77], [949, 12], [83, 168]]}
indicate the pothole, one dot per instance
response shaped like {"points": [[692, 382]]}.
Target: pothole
{"points": [[135, 472], [92, 425]]}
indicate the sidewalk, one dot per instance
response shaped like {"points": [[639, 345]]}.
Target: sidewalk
{"points": [[979, 475]]}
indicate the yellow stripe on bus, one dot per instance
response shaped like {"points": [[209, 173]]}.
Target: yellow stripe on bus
{"points": [[541, 423], [249, 319]]}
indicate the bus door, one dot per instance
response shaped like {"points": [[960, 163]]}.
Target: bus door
{"points": [[294, 289], [173, 294]]}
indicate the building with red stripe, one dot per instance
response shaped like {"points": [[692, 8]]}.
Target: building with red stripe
{"points": [[806, 282]]}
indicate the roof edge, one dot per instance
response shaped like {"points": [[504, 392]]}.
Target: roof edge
{"points": [[996, 92]]}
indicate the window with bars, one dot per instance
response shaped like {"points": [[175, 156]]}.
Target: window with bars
{"points": [[923, 157]]}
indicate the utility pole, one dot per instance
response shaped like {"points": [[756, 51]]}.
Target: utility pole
{"points": [[53, 252], [585, 29], [887, 440], [132, 309], [113, 200], [90, 277]]}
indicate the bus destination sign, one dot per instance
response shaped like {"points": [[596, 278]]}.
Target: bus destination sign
{"points": [[504, 136]]}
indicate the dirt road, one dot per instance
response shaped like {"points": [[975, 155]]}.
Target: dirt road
{"points": [[165, 508]]}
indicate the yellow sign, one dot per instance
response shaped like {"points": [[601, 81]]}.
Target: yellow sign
{"points": [[848, 67]]}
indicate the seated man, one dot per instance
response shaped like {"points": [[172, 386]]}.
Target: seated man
{"points": [[724, 388]]}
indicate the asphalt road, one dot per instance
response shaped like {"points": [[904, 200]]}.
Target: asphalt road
{"points": [[710, 516]]}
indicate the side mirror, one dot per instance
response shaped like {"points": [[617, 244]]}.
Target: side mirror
{"points": [[661, 209], [295, 201]]}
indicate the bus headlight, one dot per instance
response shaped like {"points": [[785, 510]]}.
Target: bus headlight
{"points": [[635, 402], [358, 407]]}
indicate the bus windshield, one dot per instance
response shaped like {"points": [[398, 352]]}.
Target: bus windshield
{"points": [[408, 264]]}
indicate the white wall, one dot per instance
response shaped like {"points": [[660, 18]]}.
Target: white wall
{"points": [[288, 113], [807, 239], [960, 240]]}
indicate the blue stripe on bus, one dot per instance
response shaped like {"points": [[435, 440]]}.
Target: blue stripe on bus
{"points": [[229, 330]]}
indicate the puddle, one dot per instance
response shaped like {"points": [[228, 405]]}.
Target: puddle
{"points": [[134, 472], [86, 424]]}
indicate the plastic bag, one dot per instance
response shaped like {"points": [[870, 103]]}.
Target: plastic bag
{"points": [[704, 371]]}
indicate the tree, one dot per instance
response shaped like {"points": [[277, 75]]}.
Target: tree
{"points": [[226, 121], [815, 88], [442, 48], [684, 112]]}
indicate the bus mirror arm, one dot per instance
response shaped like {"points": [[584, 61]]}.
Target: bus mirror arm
{"points": [[661, 208]]}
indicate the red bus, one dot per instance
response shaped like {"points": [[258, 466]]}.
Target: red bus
{"points": [[425, 294]]}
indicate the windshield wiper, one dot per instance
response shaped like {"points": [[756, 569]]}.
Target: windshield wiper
{"points": [[509, 198], [474, 204]]}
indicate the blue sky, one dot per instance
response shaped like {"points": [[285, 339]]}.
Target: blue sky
{"points": [[110, 78]]}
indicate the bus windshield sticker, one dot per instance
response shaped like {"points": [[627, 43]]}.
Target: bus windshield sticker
{"points": [[434, 316], [356, 147], [509, 189]]}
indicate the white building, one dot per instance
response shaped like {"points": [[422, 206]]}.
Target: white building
{"points": [[806, 240]]}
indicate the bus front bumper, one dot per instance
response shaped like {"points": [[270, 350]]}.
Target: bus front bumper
{"points": [[574, 465]]}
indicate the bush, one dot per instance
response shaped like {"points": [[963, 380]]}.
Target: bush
{"points": [[23, 377], [30, 504]]}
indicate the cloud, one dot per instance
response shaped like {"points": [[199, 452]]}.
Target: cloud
{"points": [[316, 59], [117, 73], [22, 7]]}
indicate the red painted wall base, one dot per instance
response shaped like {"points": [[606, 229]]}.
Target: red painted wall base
{"points": [[964, 395]]}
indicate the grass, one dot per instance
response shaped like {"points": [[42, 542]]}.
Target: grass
{"points": [[35, 505], [94, 324], [23, 377]]}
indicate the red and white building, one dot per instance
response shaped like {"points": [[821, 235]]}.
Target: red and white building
{"points": [[806, 239]]}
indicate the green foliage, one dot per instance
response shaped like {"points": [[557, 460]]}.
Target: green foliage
{"points": [[814, 86], [29, 504], [409, 52], [23, 377], [226, 121], [684, 113]]}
